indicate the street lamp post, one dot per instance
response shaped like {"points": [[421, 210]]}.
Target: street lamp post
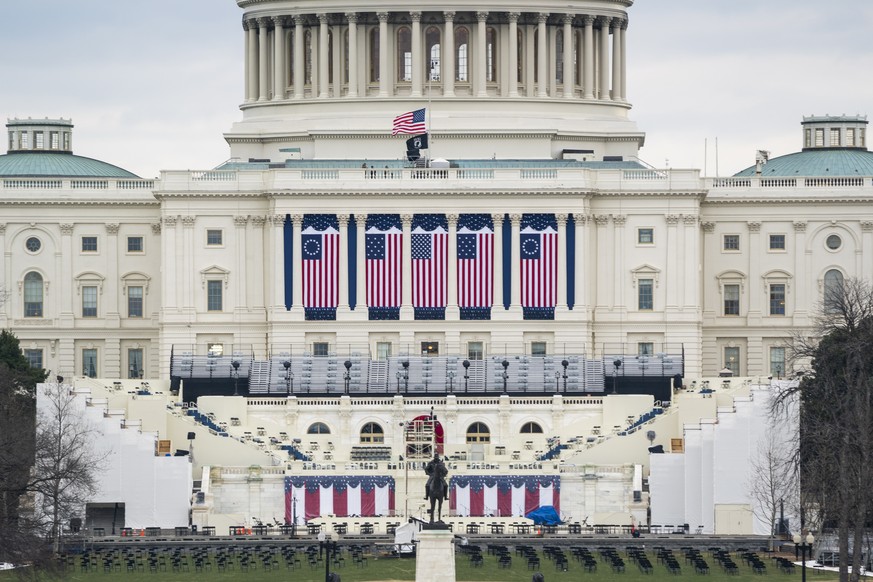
{"points": [[565, 364], [804, 543], [235, 365], [466, 365], [348, 375], [405, 365], [505, 365], [330, 549], [451, 376], [289, 377]]}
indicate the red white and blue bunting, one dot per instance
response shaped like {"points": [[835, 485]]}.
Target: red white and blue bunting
{"points": [[312, 497], [489, 496]]}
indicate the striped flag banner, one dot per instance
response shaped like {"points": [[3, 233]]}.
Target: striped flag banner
{"points": [[384, 250], [412, 122], [320, 257], [491, 496], [538, 246], [342, 496], [475, 263], [430, 242]]}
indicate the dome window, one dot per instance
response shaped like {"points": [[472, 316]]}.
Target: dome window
{"points": [[834, 242], [33, 244]]}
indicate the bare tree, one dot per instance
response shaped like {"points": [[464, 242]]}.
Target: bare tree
{"points": [[66, 464], [773, 482]]}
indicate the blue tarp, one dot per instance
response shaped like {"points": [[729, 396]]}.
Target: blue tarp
{"points": [[544, 515]]}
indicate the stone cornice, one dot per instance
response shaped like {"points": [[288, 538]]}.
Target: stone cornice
{"points": [[101, 203]]}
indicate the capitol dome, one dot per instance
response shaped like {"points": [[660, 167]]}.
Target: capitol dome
{"points": [[43, 148], [325, 79]]}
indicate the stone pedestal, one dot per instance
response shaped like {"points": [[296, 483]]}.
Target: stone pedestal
{"points": [[435, 555]]}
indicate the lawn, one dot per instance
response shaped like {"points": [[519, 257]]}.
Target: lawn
{"points": [[394, 569]]}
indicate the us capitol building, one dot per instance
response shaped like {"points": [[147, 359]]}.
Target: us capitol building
{"points": [[522, 283]]}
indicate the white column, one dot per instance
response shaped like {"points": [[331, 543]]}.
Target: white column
{"points": [[513, 53], [361, 263], [323, 56], [497, 271], [336, 56], [447, 56], [110, 290], [241, 276], [353, 55], [406, 311], [452, 311], [604, 58], [384, 72], [588, 57], [674, 249], [802, 280], [542, 65], [296, 262], [580, 302], [480, 74], [616, 59], [263, 46], [251, 72], [756, 309], [562, 260], [515, 263], [314, 58], [299, 63], [343, 279], [417, 60], [530, 65], [279, 58], [624, 60], [569, 64]]}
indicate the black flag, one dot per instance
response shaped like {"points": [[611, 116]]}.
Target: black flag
{"points": [[419, 142]]}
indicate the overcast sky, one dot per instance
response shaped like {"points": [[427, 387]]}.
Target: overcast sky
{"points": [[153, 85]]}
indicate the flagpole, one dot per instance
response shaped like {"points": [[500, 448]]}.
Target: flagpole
{"points": [[427, 128]]}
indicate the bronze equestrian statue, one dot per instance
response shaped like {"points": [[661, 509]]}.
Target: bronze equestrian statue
{"points": [[437, 488]]}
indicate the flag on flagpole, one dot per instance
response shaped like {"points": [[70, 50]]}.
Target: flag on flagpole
{"points": [[412, 122], [539, 260]]}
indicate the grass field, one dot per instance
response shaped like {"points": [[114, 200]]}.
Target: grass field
{"points": [[394, 569]]}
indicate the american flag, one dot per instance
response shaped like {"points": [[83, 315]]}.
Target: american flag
{"points": [[539, 260], [430, 242], [475, 260], [384, 249], [410, 123], [320, 257]]}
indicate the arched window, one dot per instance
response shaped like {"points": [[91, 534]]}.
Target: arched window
{"points": [[833, 290], [345, 54], [531, 428], [432, 54], [307, 57], [374, 55], [536, 55], [491, 54], [318, 428], [559, 55], [404, 54], [520, 56], [33, 295], [372, 433], [478, 433], [330, 48], [462, 42]]}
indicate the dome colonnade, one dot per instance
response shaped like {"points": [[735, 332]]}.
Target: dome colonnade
{"points": [[299, 55]]}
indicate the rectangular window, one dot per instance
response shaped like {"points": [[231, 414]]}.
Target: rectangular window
{"points": [[862, 133], [645, 295], [835, 138], [777, 242], [383, 350], [731, 242], [320, 349], [134, 363], [89, 244], [34, 358], [214, 238], [645, 236], [134, 301], [430, 348], [89, 363], [850, 137], [89, 301], [475, 350], [777, 299], [819, 137], [645, 348], [538, 349], [777, 361], [731, 299], [24, 140], [214, 299], [215, 350], [66, 141], [807, 139], [732, 359], [39, 139], [54, 143], [134, 244]]}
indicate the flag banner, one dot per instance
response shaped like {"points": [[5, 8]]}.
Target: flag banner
{"points": [[412, 122], [320, 265], [475, 265], [430, 248], [418, 142], [538, 246], [384, 249], [312, 497], [513, 496]]}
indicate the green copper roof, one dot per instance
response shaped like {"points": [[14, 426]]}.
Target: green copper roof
{"points": [[817, 163], [59, 165]]}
